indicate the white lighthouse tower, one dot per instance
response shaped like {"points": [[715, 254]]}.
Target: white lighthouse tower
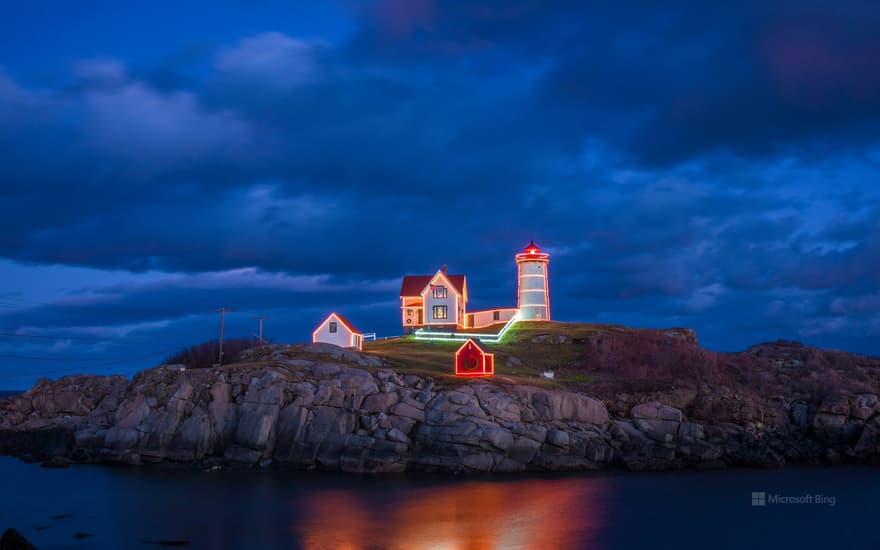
{"points": [[533, 291]]}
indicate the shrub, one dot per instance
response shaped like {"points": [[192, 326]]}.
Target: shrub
{"points": [[652, 354], [204, 355]]}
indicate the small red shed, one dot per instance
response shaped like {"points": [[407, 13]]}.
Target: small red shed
{"points": [[474, 359]]}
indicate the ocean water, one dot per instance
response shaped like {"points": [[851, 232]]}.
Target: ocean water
{"points": [[124, 507]]}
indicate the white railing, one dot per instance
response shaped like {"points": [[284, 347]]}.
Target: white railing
{"points": [[422, 334]]}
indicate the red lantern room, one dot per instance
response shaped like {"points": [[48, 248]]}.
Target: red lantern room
{"points": [[474, 359]]}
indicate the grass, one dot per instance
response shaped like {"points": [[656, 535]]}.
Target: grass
{"points": [[488, 329], [605, 360], [579, 377], [517, 359]]}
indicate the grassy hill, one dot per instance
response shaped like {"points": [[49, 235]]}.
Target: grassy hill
{"points": [[528, 349], [611, 360], [606, 359]]}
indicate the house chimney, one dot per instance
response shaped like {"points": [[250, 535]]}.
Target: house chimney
{"points": [[443, 269]]}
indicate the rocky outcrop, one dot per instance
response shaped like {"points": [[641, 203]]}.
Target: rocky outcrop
{"points": [[13, 540], [317, 406], [307, 407]]}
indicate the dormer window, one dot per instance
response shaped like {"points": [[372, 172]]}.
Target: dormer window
{"points": [[439, 291]]}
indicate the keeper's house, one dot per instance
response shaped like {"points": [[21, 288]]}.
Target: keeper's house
{"points": [[439, 301], [436, 300]]}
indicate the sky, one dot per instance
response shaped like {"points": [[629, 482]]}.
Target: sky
{"points": [[709, 166]]}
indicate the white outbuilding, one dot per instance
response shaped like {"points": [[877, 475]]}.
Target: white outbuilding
{"points": [[339, 331]]}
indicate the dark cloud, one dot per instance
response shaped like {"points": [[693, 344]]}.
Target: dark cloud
{"points": [[172, 297], [687, 163], [672, 81]]}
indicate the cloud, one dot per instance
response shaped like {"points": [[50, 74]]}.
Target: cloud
{"points": [[146, 127], [272, 59], [141, 302], [95, 73], [859, 305], [705, 297], [667, 83], [683, 166]]}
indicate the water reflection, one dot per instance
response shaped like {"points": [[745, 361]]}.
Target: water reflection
{"points": [[473, 515]]}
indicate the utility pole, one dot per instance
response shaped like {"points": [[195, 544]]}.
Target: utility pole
{"points": [[222, 311], [261, 319]]}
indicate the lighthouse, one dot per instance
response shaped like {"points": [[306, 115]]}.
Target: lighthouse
{"points": [[533, 291]]}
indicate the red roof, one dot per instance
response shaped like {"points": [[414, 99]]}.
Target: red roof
{"points": [[413, 285], [477, 343], [346, 322]]}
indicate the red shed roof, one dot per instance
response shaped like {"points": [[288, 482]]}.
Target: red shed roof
{"points": [[413, 285], [477, 343], [344, 320]]}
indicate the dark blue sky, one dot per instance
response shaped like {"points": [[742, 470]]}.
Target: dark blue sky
{"points": [[713, 167]]}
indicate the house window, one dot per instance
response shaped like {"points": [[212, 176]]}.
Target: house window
{"points": [[332, 326], [410, 312], [496, 315], [440, 312], [439, 291]]}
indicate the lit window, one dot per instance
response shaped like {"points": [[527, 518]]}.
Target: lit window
{"points": [[332, 326], [410, 312], [440, 312], [439, 291]]}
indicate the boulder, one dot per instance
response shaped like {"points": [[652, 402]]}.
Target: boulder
{"points": [[498, 438], [864, 405], [377, 402], [523, 450], [558, 438], [661, 431], [868, 444], [562, 406], [798, 414], [258, 412], [408, 410], [656, 411], [193, 440]]}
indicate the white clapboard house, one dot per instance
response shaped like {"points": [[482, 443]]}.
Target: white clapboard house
{"points": [[339, 331]]}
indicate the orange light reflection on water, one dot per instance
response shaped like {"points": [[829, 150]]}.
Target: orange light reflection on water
{"points": [[471, 515]]}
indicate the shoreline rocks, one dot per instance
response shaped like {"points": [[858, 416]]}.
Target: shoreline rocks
{"points": [[321, 407]]}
